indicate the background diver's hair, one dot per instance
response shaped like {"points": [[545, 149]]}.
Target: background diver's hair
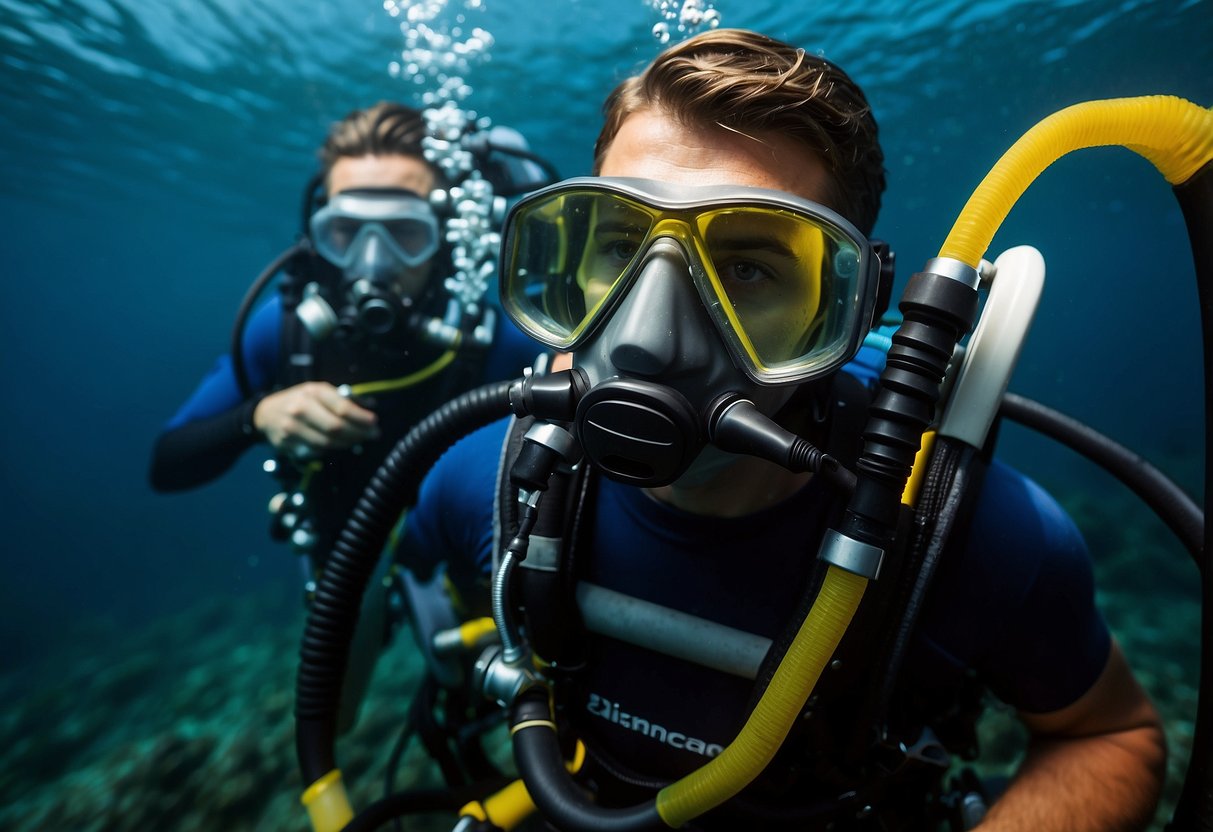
{"points": [[386, 128], [748, 82]]}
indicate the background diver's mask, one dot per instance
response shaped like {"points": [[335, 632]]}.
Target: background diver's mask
{"points": [[673, 297], [382, 240]]}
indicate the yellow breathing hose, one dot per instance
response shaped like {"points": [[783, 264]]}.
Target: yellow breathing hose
{"points": [[764, 732], [1173, 134], [746, 756], [369, 387]]}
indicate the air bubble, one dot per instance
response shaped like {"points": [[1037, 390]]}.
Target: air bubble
{"points": [[441, 46], [687, 17]]}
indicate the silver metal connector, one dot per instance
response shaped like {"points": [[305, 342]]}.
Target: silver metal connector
{"points": [[955, 269], [850, 554]]}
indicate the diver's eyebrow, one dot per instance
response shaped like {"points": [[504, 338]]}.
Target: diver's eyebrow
{"points": [[618, 227], [770, 244]]}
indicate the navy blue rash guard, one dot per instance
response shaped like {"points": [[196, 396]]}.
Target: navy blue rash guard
{"points": [[1015, 603]]}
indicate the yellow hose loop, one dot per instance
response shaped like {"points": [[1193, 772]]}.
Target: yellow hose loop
{"points": [[744, 758], [1172, 133], [370, 387], [327, 804]]}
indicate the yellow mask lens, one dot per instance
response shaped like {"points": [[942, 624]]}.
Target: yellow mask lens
{"points": [[784, 286], [564, 258]]}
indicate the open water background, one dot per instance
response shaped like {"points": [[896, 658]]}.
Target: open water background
{"points": [[152, 156]]}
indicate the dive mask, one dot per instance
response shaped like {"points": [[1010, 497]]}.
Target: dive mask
{"points": [[400, 220], [382, 240], [790, 284]]}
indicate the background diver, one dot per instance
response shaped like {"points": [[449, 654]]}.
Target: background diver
{"points": [[380, 317]]}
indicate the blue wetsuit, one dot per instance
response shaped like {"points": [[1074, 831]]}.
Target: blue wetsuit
{"points": [[213, 427], [218, 392], [1014, 603]]}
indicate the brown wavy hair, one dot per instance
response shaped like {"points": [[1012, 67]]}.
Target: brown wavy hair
{"points": [[383, 129], [745, 81]]}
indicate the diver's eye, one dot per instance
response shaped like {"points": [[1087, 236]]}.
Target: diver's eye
{"points": [[746, 271], [621, 250], [342, 232]]}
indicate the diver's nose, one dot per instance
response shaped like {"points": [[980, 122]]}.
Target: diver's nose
{"points": [[374, 261], [645, 334]]}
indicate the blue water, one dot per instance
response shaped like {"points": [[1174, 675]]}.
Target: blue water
{"points": [[152, 157]]}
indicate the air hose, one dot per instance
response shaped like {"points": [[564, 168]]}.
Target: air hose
{"points": [[370, 388], [1175, 135], [302, 246], [1164, 497], [334, 611]]}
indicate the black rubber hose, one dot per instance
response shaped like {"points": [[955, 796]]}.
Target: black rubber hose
{"points": [[421, 699], [937, 311], [561, 802], [1194, 811], [334, 611], [935, 515], [1164, 497], [246, 307]]}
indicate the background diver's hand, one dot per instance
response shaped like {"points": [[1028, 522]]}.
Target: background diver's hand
{"points": [[313, 417]]}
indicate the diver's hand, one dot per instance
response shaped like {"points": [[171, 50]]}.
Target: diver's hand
{"points": [[313, 417]]}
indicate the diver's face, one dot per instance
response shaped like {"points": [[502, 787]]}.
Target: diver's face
{"points": [[389, 171], [780, 295]]}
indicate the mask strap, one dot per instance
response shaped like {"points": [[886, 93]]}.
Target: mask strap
{"points": [[313, 199]]}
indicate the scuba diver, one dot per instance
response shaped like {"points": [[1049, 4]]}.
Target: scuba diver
{"points": [[714, 279], [380, 316]]}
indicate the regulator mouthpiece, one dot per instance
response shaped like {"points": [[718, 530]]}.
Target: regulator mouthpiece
{"points": [[637, 432], [378, 312]]}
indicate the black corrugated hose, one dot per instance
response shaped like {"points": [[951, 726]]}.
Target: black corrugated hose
{"points": [[338, 598]]}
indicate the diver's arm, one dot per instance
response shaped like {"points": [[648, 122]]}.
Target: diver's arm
{"points": [[311, 415], [199, 451], [1097, 764], [214, 426]]}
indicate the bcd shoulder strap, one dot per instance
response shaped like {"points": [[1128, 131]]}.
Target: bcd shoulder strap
{"points": [[296, 352]]}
